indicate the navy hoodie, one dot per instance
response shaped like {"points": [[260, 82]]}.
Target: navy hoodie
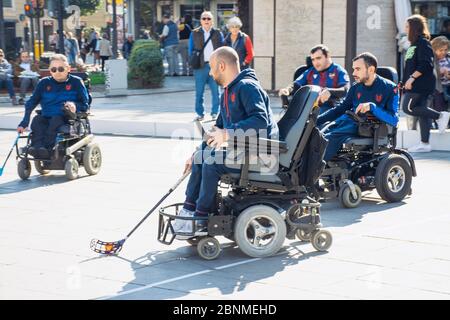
{"points": [[52, 95], [382, 96], [245, 105]]}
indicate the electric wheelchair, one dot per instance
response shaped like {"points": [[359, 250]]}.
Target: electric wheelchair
{"points": [[369, 161], [260, 210], [74, 147]]}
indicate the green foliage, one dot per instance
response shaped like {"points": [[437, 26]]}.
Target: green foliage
{"points": [[145, 66], [97, 78], [87, 7]]}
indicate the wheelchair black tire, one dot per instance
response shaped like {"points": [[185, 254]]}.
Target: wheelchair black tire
{"points": [[40, 168], [241, 235], [92, 159], [208, 248], [24, 169], [381, 178]]}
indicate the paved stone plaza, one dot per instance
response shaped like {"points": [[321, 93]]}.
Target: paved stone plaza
{"points": [[380, 251]]}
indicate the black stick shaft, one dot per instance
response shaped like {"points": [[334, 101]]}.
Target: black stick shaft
{"points": [[10, 151], [156, 205]]}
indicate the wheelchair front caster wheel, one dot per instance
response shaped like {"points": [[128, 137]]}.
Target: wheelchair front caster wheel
{"points": [[24, 169], [71, 167], [303, 235], [40, 168], [346, 196], [321, 240], [208, 248]]}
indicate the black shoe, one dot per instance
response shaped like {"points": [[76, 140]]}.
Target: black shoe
{"points": [[43, 153], [21, 101], [175, 75], [32, 151]]}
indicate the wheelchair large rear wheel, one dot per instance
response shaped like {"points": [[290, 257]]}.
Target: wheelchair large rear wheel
{"points": [[393, 178], [92, 159], [24, 169], [260, 231]]}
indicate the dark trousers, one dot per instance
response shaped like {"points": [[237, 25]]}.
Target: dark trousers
{"points": [[415, 104], [9, 86], [104, 58], [207, 168], [25, 83], [44, 130], [336, 133]]}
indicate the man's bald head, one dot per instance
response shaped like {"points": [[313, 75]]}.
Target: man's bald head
{"points": [[226, 55], [224, 63]]}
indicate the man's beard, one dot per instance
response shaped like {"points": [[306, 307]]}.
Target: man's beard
{"points": [[365, 79]]}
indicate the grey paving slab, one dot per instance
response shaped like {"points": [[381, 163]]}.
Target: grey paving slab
{"points": [[380, 250]]}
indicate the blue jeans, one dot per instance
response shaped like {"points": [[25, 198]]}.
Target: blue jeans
{"points": [[172, 58], [207, 168], [202, 78], [336, 133], [9, 86]]}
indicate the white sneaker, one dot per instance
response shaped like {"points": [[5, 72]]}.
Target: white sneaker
{"points": [[443, 121], [179, 224], [421, 147]]}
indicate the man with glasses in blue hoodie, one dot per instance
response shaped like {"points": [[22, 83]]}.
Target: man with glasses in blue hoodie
{"points": [[59, 95], [244, 108]]}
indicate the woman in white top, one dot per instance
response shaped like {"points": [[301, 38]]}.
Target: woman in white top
{"points": [[105, 50]]}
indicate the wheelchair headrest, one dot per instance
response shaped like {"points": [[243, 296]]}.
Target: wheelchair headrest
{"points": [[388, 73], [295, 109], [299, 71]]}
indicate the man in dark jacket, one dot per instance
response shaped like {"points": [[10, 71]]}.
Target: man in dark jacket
{"points": [[370, 94], [205, 39], [245, 109], [127, 47], [56, 93]]}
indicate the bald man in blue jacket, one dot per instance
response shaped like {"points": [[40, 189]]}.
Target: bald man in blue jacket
{"points": [[244, 108]]}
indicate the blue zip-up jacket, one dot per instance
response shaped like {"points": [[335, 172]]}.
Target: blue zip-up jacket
{"points": [[52, 95], [382, 96], [245, 105]]}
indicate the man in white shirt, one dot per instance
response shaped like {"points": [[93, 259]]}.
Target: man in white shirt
{"points": [[202, 42]]}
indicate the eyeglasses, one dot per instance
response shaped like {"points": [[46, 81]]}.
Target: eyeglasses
{"points": [[206, 18], [59, 69]]}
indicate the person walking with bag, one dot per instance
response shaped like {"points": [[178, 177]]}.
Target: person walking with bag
{"points": [[202, 42], [420, 82]]}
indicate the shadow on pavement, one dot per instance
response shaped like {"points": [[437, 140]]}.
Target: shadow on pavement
{"points": [[178, 273], [34, 182]]}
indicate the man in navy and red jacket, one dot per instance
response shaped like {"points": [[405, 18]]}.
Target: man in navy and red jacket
{"points": [[370, 94], [245, 108], [56, 93], [330, 76]]}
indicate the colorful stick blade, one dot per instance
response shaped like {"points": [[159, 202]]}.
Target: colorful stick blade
{"points": [[1, 172], [106, 247]]}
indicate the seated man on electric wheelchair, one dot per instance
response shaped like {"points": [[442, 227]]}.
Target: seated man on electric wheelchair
{"points": [[61, 95], [371, 95], [245, 107]]}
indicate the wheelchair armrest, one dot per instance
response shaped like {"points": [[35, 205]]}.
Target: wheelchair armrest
{"points": [[251, 143]]}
